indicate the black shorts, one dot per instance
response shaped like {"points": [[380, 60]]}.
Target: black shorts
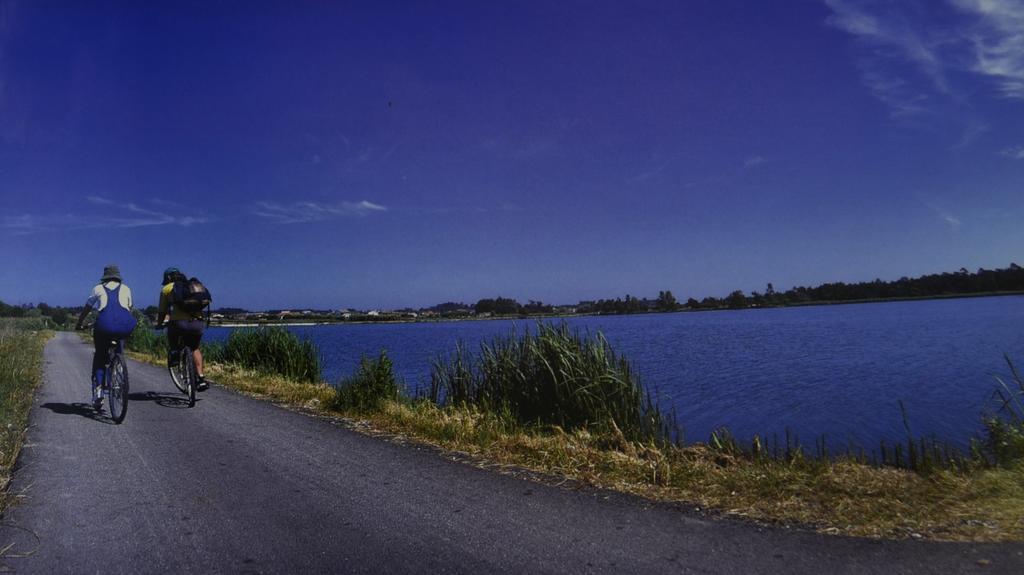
{"points": [[185, 332]]}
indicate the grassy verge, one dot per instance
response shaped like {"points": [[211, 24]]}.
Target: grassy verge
{"points": [[21, 355], [496, 407], [841, 497], [266, 362]]}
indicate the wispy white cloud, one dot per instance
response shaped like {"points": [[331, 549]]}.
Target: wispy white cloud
{"points": [[892, 43], [115, 215], [972, 130], [652, 172], [899, 95], [909, 55], [754, 161], [370, 155], [854, 20], [139, 216], [952, 221], [168, 204], [19, 224], [505, 207], [303, 212], [998, 41], [1013, 152]]}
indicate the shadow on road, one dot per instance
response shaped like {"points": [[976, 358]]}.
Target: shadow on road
{"points": [[164, 400], [82, 409]]}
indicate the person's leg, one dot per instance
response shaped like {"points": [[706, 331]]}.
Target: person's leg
{"points": [[99, 358], [194, 339], [173, 343], [101, 342], [198, 356]]}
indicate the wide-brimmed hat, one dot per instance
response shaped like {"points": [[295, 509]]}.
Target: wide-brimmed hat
{"points": [[111, 272]]}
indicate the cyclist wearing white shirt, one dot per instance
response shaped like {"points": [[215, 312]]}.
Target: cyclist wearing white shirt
{"points": [[113, 300]]}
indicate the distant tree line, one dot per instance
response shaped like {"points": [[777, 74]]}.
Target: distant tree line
{"points": [[962, 282], [59, 315], [665, 302], [508, 306], [450, 307]]}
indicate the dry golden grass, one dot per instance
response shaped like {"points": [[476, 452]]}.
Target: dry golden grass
{"points": [[841, 497], [275, 388]]}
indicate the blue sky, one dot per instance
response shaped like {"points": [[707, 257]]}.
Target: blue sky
{"points": [[378, 154]]}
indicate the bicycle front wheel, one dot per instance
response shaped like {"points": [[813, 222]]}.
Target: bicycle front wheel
{"points": [[117, 388]]}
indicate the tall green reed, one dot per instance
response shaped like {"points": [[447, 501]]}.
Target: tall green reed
{"points": [[1003, 443], [270, 350], [369, 388], [553, 377], [145, 340]]}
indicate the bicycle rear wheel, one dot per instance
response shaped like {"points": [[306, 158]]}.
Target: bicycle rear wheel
{"points": [[188, 373], [117, 388], [176, 372]]}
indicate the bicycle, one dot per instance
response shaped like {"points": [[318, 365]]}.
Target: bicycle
{"points": [[183, 373], [115, 382]]}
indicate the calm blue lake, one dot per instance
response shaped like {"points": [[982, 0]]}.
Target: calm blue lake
{"points": [[833, 370]]}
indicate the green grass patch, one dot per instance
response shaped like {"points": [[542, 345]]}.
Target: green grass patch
{"points": [[144, 339], [269, 350], [552, 376], [1004, 442], [369, 388], [21, 359]]}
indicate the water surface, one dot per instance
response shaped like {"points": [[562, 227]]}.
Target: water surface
{"points": [[834, 370]]}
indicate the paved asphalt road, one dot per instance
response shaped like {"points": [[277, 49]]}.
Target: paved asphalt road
{"points": [[238, 485]]}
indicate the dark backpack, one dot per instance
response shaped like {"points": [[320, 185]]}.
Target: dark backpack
{"points": [[190, 295]]}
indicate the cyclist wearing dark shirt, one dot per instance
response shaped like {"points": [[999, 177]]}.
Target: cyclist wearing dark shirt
{"points": [[185, 327]]}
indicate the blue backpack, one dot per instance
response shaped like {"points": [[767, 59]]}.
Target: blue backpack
{"points": [[114, 320]]}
